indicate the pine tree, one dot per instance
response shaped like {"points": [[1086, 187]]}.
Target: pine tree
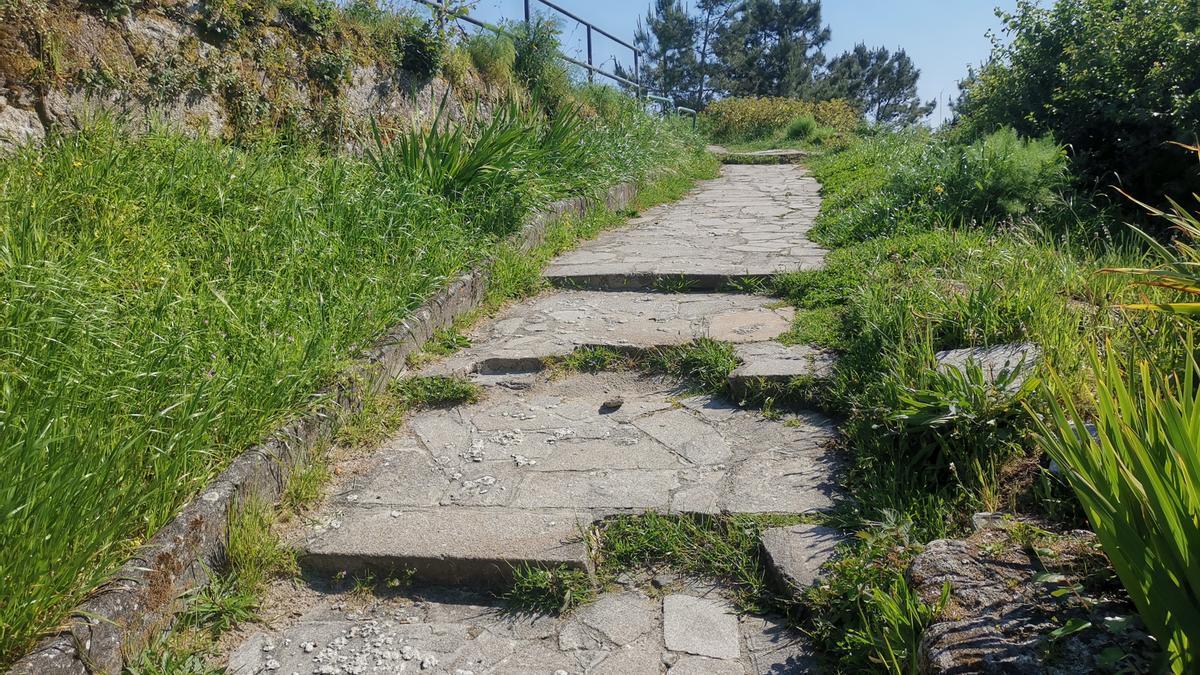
{"points": [[771, 48], [714, 17], [667, 38], [881, 83]]}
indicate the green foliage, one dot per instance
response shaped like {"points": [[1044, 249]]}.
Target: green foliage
{"points": [[537, 63], [164, 658], [1138, 479], [170, 299], [770, 48], [314, 16], [881, 83], [421, 51], [484, 162], [549, 591], [253, 551], [801, 128], [331, 69], [743, 119], [432, 392], [705, 361], [219, 606], [225, 19], [494, 56], [933, 182], [1113, 81], [666, 37]]}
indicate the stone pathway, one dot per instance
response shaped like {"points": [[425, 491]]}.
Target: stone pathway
{"points": [[458, 497], [750, 222]]}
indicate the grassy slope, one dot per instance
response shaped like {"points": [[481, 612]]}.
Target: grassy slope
{"points": [[169, 300], [929, 450]]}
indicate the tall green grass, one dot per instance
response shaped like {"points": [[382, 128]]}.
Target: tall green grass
{"points": [[1139, 482], [1138, 475], [168, 300]]}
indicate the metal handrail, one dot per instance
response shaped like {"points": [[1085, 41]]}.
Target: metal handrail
{"points": [[442, 9]]}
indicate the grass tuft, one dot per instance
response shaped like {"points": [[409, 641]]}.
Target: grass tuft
{"points": [[549, 591]]}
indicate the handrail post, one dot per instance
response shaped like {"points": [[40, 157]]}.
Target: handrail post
{"points": [[637, 71], [591, 75]]}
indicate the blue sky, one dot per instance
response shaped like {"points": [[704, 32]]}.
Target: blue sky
{"points": [[941, 36]]}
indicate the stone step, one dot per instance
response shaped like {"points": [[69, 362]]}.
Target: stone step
{"points": [[750, 223], [794, 555], [775, 363], [477, 547], [665, 282], [522, 337], [689, 630]]}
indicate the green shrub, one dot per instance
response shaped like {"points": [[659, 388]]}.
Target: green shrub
{"points": [[1113, 81], [802, 128], [315, 16], [493, 56], [747, 119], [538, 63], [421, 51], [456, 67], [936, 182], [224, 19], [460, 162], [330, 69]]}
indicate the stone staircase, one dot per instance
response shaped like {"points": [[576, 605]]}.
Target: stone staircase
{"points": [[458, 498]]}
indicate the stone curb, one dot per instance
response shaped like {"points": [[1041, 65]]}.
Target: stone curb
{"points": [[144, 594]]}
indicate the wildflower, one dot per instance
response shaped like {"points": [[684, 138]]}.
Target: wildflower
{"points": [[77, 164], [939, 189]]}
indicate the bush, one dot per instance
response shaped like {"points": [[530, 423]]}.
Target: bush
{"points": [[743, 119], [315, 16], [493, 56], [457, 67], [1113, 81], [802, 128], [537, 62], [936, 182], [421, 51]]}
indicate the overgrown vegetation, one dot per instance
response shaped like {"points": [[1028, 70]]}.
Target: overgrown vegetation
{"points": [[170, 299], [705, 363], [1014, 257], [723, 548], [1114, 82], [756, 123]]}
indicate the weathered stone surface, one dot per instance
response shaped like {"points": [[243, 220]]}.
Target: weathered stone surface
{"points": [[1001, 608], [750, 222], [453, 631], [774, 648], [701, 665], [702, 626], [452, 545], [18, 126], [772, 362], [795, 554], [523, 336], [994, 361]]}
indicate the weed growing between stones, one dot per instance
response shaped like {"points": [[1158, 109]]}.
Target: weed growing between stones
{"points": [[704, 363], [549, 591], [721, 548]]}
